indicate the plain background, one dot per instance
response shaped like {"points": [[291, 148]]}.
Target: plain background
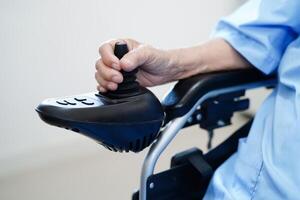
{"points": [[48, 48]]}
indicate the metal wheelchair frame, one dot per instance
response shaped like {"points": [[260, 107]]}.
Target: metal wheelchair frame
{"points": [[173, 127]]}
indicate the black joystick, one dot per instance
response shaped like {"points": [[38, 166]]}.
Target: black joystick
{"points": [[129, 87], [128, 119]]}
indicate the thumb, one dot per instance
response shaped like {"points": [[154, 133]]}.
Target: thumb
{"points": [[135, 58]]}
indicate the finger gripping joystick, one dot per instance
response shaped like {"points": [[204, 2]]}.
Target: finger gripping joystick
{"points": [[129, 87]]}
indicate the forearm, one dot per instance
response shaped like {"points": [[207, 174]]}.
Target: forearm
{"points": [[214, 55]]}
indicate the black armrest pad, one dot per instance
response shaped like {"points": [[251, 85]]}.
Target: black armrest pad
{"points": [[186, 92]]}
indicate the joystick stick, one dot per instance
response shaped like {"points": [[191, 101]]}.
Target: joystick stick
{"points": [[127, 119], [129, 86]]}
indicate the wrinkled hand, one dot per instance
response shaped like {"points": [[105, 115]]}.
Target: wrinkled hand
{"points": [[155, 66]]}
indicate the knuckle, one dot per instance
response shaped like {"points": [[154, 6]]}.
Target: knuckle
{"points": [[111, 41], [131, 43], [105, 73], [149, 52], [142, 54], [146, 47], [98, 64], [102, 72], [100, 49], [97, 77], [145, 50], [103, 46], [102, 83]]}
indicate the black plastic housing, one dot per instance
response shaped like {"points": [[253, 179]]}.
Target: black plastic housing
{"points": [[187, 92], [126, 124]]}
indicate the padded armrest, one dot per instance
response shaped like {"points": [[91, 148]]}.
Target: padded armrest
{"points": [[186, 92]]}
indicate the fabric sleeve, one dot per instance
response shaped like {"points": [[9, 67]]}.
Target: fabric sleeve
{"points": [[260, 31]]}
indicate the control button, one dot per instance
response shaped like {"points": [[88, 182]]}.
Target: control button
{"points": [[70, 103], [80, 99], [62, 103], [88, 103]]}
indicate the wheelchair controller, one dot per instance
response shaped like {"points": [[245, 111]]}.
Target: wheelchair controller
{"points": [[127, 119]]}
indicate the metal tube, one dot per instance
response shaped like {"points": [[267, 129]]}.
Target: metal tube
{"points": [[155, 151]]}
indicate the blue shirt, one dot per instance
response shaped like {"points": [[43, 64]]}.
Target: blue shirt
{"points": [[267, 163]]}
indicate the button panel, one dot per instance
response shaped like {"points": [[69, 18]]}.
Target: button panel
{"points": [[76, 101]]}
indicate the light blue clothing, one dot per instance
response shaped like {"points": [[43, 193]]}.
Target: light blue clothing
{"points": [[267, 163]]}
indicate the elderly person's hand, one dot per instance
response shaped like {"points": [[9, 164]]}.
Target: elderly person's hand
{"points": [[158, 66], [155, 66]]}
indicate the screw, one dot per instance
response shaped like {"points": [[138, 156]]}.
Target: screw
{"points": [[198, 117], [151, 185], [190, 120], [221, 123]]}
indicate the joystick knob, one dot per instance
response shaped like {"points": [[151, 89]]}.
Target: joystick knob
{"points": [[129, 87]]}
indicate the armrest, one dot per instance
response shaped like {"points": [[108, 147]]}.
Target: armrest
{"points": [[186, 92]]}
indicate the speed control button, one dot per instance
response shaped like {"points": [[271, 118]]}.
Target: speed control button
{"points": [[62, 103], [88, 103], [70, 103], [80, 99]]}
